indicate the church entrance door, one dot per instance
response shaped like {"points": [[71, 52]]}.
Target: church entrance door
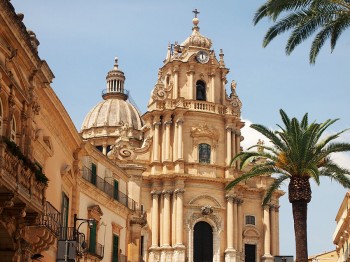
{"points": [[250, 251], [203, 242]]}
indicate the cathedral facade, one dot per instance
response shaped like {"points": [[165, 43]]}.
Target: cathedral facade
{"points": [[128, 186]]}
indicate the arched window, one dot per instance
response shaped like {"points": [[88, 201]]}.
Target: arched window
{"points": [[1, 117], [204, 151], [200, 91], [13, 130]]}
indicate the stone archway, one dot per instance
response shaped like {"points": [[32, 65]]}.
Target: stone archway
{"points": [[215, 223], [202, 242]]}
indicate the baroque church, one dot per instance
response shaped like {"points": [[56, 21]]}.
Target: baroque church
{"points": [[128, 186]]}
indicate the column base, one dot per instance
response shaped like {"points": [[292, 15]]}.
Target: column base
{"points": [[179, 253], [154, 254], [166, 254], [267, 258], [231, 255]]}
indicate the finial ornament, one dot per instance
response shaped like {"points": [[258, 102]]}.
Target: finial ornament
{"points": [[260, 145], [115, 62], [196, 12]]}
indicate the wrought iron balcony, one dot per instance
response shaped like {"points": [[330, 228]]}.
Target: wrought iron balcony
{"points": [[97, 251], [109, 189]]}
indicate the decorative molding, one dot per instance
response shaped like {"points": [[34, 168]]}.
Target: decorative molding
{"points": [[205, 131], [122, 150]]}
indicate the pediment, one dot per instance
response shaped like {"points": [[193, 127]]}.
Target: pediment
{"points": [[205, 200]]}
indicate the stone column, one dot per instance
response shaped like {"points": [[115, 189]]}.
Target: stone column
{"points": [[166, 218], [267, 247], [156, 124], [235, 224], [179, 216], [273, 229], [176, 82], [179, 138], [212, 86], [167, 124], [228, 145], [277, 230], [238, 146], [191, 72], [240, 225], [233, 146], [155, 218], [230, 215]]}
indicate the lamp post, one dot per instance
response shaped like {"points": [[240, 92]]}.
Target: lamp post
{"points": [[76, 232]]}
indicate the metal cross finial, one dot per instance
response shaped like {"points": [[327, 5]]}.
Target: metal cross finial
{"points": [[196, 12]]}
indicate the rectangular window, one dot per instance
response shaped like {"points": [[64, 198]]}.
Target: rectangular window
{"points": [[116, 190], [250, 220], [115, 248], [93, 173], [64, 215]]}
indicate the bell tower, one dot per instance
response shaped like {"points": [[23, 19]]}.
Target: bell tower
{"points": [[189, 105], [193, 128]]}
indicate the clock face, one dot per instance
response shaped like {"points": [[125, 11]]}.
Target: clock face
{"points": [[202, 57]]}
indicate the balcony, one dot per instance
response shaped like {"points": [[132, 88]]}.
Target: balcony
{"points": [[96, 251], [45, 230], [19, 174], [109, 189]]}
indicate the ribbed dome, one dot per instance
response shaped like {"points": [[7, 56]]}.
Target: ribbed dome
{"points": [[113, 113], [115, 116], [196, 39]]}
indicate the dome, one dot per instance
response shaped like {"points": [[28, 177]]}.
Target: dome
{"points": [[196, 39], [115, 116], [113, 113]]}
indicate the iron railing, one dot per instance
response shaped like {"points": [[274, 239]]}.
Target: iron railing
{"points": [[50, 218], [109, 189], [97, 251], [70, 234]]}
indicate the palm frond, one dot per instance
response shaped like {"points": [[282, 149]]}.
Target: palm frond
{"points": [[274, 186], [337, 173], [256, 171]]}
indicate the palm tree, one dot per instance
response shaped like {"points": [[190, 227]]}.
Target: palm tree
{"points": [[329, 18], [297, 154]]}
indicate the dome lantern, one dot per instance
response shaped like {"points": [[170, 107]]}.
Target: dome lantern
{"points": [[115, 83]]}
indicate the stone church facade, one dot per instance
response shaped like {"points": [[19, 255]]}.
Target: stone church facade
{"points": [[153, 184]]}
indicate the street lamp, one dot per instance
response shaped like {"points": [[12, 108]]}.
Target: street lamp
{"points": [[76, 232]]}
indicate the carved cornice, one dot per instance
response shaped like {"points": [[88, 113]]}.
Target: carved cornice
{"points": [[179, 192], [204, 131]]}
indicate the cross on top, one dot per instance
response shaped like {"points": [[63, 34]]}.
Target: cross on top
{"points": [[196, 12]]}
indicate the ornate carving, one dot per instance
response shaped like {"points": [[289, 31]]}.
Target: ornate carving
{"points": [[179, 191], [160, 91], [233, 98], [123, 150], [213, 219], [206, 210], [204, 131]]}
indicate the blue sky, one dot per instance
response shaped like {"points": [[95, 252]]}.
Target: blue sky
{"points": [[79, 40]]}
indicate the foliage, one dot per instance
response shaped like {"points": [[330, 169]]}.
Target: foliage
{"points": [[297, 151], [14, 149], [329, 18]]}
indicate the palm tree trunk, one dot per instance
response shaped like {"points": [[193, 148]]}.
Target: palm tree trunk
{"points": [[300, 230]]}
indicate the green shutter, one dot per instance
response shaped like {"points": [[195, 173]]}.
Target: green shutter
{"points": [[92, 241], [93, 173], [115, 248], [116, 190]]}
